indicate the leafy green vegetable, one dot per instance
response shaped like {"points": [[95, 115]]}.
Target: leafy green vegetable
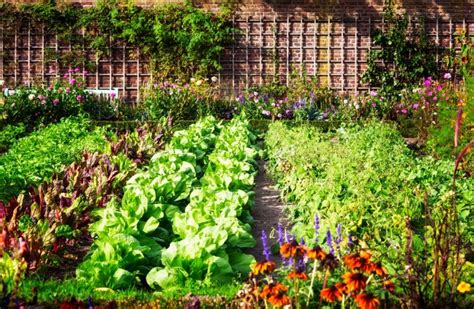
{"points": [[131, 233], [35, 158]]}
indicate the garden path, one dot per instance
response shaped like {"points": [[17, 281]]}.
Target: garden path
{"points": [[267, 212]]}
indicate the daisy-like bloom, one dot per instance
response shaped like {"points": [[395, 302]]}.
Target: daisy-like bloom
{"points": [[331, 294], [359, 260], [355, 281], [379, 270], [297, 275], [342, 287], [279, 300], [292, 249], [389, 286], [264, 267], [366, 301], [464, 287], [273, 289], [317, 253]]}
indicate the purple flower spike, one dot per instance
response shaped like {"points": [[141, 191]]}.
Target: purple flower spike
{"points": [[339, 235], [316, 228], [301, 265], [329, 242], [302, 241], [350, 243], [266, 248], [280, 234]]}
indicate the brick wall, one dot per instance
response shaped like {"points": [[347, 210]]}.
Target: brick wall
{"points": [[328, 39]]}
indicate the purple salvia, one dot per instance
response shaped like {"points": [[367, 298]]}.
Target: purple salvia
{"points": [[302, 241], [316, 228], [329, 242], [339, 235], [301, 265], [280, 234], [350, 243], [266, 248]]}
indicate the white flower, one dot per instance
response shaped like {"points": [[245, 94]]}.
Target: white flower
{"points": [[199, 82], [415, 90], [31, 97], [11, 92], [356, 106], [346, 101], [2, 82], [214, 79], [193, 79]]}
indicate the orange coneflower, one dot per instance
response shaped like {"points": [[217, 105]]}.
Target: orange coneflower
{"points": [[273, 289], [379, 270], [297, 275], [331, 294], [292, 249], [366, 301], [359, 261], [279, 300], [264, 267], [389, 286], [342, 287], [317, 253], [355, 281], [352, 260]]}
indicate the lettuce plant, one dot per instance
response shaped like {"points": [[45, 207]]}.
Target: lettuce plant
{"points": [[131, 233], [211, 230]]}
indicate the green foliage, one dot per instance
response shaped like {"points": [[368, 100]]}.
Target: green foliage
{"points": [[181, 40], [172, 228], [9, 134], [53, 291], [215, 225], [35, 158], [132, 234], [402, 58], [366, 179], [69, 197]]}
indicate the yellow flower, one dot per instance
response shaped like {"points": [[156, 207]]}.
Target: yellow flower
{"points": [[464, 287]]}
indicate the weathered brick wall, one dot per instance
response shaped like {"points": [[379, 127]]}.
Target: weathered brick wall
{"points": [[328, 39]]}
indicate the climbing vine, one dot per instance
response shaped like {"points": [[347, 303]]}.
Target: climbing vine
{"points": [[180, 40], [401, 58]]}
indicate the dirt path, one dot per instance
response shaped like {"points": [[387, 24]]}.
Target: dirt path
{"points": [[267, 212]]}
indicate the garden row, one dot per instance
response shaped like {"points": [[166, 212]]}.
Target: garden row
{"points": [[364, 183], [52, 180], [185, 218], [182, 219]]}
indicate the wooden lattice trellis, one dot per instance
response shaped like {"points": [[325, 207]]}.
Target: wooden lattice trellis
{"points": [[267, 47]]}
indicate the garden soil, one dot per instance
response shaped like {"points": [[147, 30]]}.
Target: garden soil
{"points": [[267, 212]]}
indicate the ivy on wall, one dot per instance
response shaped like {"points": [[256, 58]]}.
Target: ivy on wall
{"points": [[180, 40]]}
